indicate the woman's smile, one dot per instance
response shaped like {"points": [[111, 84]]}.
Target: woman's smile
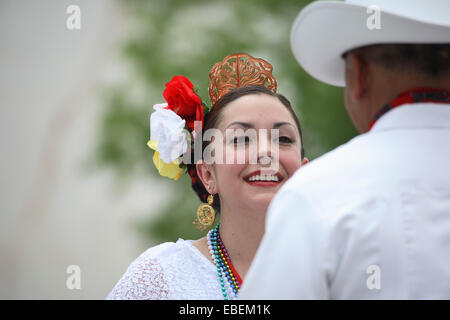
{"points": [[260, 178]]}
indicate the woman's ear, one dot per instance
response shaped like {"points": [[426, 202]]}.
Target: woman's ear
{"points": [[206, 174], [305, 161]]}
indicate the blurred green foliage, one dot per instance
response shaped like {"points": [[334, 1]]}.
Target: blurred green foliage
{"points": [[178, 37]]}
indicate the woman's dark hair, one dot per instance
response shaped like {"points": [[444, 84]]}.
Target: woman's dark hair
{"points": [[212, 118]]}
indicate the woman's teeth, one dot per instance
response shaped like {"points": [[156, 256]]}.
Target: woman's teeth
{"points": [[263, 178]]}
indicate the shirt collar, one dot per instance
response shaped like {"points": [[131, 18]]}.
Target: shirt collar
{"points": [[414, 116]]}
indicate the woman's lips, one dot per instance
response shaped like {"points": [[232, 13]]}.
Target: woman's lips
{"points": [[263, 183]]}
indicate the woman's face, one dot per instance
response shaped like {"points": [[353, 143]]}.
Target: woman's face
{"points": [[271, 157]]}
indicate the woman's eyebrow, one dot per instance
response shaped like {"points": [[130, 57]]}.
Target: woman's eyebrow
{"points": [[244, 124], [249, 125], [279, 124]]}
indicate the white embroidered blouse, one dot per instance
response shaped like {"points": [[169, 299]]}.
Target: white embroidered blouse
{"points": [[172, 270]]}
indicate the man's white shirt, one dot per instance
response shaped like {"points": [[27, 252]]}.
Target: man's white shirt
{"points": [[368, 220]]}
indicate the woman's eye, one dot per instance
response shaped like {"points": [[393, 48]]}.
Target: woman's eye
{"points": [[241, 140], [285, 139]]}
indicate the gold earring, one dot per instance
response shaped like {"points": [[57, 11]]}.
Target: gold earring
{"points": [[205, 214]]}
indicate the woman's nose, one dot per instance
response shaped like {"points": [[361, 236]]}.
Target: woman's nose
{"points": [[265, 159], [265, 152]]}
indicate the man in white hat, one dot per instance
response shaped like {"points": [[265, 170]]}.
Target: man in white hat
{"points": [[370, 219]]}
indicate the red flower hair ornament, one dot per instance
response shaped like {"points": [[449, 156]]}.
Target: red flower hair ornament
{"points": [[182, 99], [168, 135]]}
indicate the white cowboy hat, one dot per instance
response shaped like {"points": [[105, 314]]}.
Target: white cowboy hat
{"points": [[324, 30]]}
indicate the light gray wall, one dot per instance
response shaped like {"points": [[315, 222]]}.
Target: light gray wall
{"points": [[52, 213]]}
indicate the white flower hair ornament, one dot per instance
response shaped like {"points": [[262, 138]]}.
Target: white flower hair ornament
{"points": [[167, 128], [169, 139], [171, 124]]}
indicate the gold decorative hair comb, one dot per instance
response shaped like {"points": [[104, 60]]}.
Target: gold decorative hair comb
{"points": [[239, 70]]}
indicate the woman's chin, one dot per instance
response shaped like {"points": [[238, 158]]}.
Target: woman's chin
{"points": [[264, 192], [260, 202]]}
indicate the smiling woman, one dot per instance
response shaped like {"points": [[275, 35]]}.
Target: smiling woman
{"points": [[245, 109], [258, 111]]}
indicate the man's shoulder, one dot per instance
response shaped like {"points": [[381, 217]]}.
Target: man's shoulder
{"points": [[336, 166], [333, 187]]}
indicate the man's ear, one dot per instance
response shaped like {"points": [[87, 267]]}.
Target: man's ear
{"points": [[357, 75], [206, 174]]}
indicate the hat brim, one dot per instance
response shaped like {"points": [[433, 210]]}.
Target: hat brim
{"points": [[324, 30]]}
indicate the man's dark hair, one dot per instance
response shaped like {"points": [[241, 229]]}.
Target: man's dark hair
{"points": [[430, 60]]}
